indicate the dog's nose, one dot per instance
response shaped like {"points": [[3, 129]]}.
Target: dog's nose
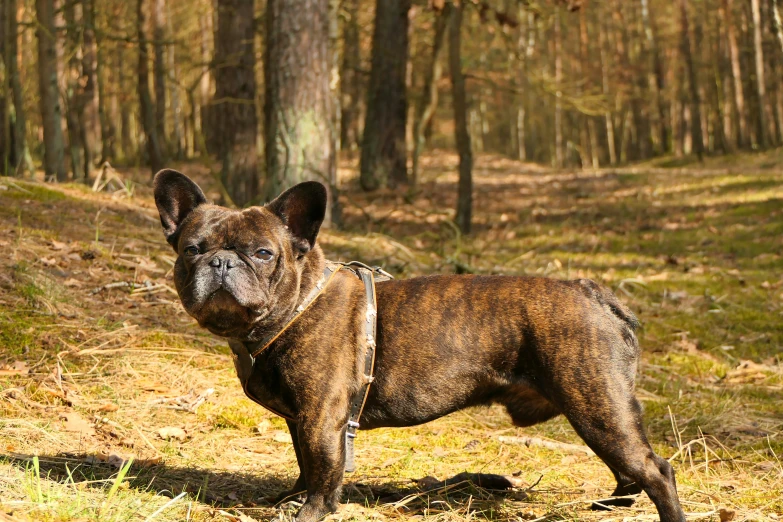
{"points": [[223, 261]]}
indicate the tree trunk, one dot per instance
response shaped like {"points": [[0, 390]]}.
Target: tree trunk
{"points": [[22, 161], [559, 153], [761, 88], [696, 126], [178, 147], [7, 149], [74, 95], [656, 81], [383, 159], [128, 146], [236, 125], [429, 99], [610, 138], [736, 73], [159, 71], [300, 138], [107, 125], [461, 135], [145, 100], [91, 134], [49, 98], [777, 22], [350, 78]]}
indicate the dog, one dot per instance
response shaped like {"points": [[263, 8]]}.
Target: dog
{"points": [[540, 347]]}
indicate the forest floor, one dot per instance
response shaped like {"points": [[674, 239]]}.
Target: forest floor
{"points": [[99, 363]]}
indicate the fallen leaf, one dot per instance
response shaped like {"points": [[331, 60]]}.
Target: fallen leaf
{"points": [[109, 407], [58, 245], [152, 386], [263, 426], [726, 515], [71, 282], [75, 423], [117, 460], [48, 261], [15, 368], [282, 436], [171, 432]]}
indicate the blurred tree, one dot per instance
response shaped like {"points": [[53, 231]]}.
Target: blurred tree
{"points": [[154, 152], [428, 103], [49, 97], [461, 135], [236, 126], [383, 159], [17, 156]]}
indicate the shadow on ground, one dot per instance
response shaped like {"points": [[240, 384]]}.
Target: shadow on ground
{"points": [[256, 493]]}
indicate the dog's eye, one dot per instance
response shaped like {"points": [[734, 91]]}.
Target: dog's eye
{"points": [[191, 251], [264, 254]]}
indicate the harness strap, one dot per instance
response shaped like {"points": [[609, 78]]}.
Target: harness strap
{"points": [[326, 278], [360, 397]]}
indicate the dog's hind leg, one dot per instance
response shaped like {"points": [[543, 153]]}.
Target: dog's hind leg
{"points": [[625, 488], [610, 422]]}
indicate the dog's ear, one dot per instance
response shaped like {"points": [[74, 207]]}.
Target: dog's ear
{"points": [[302, 209], [176, 197]]}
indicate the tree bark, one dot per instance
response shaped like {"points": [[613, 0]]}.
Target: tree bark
{"points": [[298, 109], [696, 128], [350, 78], [107, 125], [761, 88], [429, 99], [177, 146], [236, 126], [159, 71], [462, 137], [736, 73], [610, 138], [777, 22], [7, 148], [49, 98], [22, 161], [155, 156], [559, 153], [383, 159], [91, 134], [74, 94]]}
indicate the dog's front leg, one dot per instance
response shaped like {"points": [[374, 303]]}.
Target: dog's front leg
{"points": [[322, 464], [300, 486]]}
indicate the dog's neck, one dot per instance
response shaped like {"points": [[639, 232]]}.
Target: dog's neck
{"points": [[312, 268]]}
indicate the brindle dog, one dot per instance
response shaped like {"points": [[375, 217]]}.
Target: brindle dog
{"points": [[540, 347]]}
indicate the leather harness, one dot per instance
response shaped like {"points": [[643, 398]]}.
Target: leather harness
{"points": [[245, 353]]}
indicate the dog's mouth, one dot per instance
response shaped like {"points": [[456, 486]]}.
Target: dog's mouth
{"points": [[222, 314]]}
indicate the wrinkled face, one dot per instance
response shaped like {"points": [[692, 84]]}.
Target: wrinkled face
{"points": [[233, 269], [238, 272]]}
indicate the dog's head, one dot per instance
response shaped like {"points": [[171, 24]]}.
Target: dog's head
{"points": [[240, 272]]}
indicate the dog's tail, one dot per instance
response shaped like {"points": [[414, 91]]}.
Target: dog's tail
{"points": [[607, 299]]}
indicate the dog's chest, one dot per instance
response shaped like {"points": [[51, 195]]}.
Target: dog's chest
{"points": [[255, 389]]}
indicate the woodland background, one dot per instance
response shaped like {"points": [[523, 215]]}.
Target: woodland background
{"points": [[275, 89], [635, 142]]}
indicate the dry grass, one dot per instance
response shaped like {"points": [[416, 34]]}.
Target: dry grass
{"points": [[91, 372]]}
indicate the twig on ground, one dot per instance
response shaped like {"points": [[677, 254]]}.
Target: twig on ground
{"points": [[118, 284], [550, 444]]}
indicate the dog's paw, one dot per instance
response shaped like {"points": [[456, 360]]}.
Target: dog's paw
{"points": [[609, 503]]}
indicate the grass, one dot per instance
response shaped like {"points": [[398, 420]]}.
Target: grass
{"points": [[695, 250]]}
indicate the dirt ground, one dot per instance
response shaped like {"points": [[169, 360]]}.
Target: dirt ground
{"points": [[99, 364]]}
